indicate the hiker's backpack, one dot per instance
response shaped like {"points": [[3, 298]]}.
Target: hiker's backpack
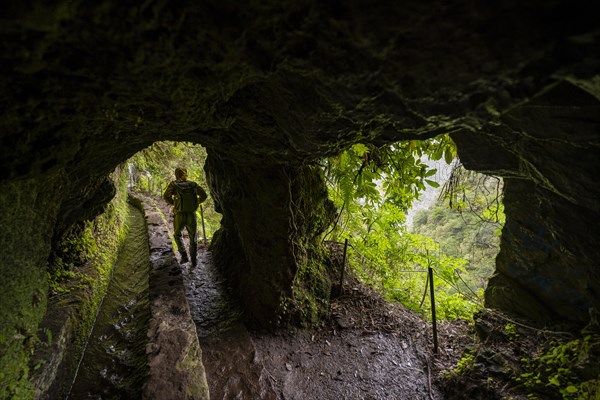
{"points": [[186, 199]]}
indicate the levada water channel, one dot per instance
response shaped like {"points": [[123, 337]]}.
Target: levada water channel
{"points": [[114, 365]]}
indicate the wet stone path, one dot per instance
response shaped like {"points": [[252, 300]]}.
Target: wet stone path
{"points": [[232, 368], [345, 363]]}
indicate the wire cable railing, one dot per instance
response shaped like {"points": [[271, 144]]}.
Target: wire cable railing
{"points": [[430, 287]]}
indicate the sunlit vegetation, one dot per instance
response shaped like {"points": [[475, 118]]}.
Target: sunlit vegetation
{"points": [[153, 168], [374, 187], [467, 222]]}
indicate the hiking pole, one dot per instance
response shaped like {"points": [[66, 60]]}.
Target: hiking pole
{"points": [[203, 228]]}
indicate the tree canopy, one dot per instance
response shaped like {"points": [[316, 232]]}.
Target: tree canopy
{"points": [[374, 187]]}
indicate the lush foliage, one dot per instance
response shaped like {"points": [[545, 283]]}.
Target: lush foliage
{"points": [[566, 369], [154, 167], [373, 187], [467, 224]]}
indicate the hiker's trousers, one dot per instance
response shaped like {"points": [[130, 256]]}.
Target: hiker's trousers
{"points": [[185, 220]]}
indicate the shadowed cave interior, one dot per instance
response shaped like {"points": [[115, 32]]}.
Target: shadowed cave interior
{"points": [[270, 88]]}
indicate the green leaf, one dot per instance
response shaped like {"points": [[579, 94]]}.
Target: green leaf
{"points": [[448, 156], [432, 183], [554, 381], [431, 172], [571, 389], [360, 149]]}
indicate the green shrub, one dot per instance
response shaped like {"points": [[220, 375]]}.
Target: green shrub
{"points": [[566, 369]]}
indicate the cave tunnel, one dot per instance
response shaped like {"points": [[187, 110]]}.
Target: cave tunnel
{"points": [[270, 88]]}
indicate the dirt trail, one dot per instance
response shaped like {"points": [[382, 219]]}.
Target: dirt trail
{"points": [[345, 365], [368, 349]]}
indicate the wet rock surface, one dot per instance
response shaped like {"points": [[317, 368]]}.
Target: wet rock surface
{"points": [[229, 356], [174, 355], [114, 364], [369, 349]]}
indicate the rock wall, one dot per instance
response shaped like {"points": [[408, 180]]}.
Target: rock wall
{"points": [[72, 306], [261, 205], [547, 150], [27, 218]]}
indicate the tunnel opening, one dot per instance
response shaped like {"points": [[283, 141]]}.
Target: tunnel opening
{"points": [[114, 362], [93, 334], [410, 205], [151, 169], [464, 215]]}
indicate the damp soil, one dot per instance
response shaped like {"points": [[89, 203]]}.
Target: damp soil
{"points": [[366, 349], [114, 362]]}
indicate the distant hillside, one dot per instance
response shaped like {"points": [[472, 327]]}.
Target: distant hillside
{"points": [[471, 228]]}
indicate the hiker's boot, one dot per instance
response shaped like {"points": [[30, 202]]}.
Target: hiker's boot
{"points": [[184, 258]]}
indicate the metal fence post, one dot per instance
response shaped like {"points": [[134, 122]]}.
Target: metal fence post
{"points": [[433, 317], [343, 266]]}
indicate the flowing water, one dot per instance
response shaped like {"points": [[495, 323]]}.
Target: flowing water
{"points": [[114, 363]]}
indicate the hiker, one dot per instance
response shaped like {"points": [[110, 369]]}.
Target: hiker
{"points": [[185, 197]]}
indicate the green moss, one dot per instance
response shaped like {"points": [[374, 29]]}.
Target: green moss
{"points": [[77, 279], [311, 290], [96, 245], [465, 364], [24, 287], [191, 361], [311, 287]]}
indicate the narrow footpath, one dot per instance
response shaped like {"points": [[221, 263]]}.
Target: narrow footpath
{"points": [[232, 368]]}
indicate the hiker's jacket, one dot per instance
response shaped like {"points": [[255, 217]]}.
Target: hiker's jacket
{"points": [[173, 192]]}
